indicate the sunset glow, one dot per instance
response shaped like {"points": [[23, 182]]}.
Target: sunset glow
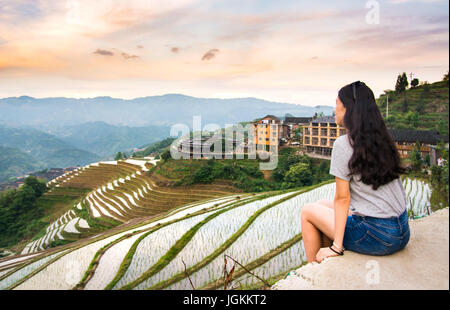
{"points": [[286, 51]]}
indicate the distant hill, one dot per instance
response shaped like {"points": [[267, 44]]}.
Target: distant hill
{"points": [[45, 148], [51, 113], [156, 147], [14, 162], [424, 107], [105, 140]]}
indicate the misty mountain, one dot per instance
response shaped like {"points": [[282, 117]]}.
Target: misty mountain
{"points": [[45, 148], [14, 162], [165, 110], [106, 140]]}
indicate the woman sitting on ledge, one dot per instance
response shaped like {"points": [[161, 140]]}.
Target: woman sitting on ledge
{"points": [[366, 164]]}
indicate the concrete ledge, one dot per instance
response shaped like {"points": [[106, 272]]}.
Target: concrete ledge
{"points": [[422, 264]]}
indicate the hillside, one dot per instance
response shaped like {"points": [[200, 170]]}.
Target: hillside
{"points": [[105, 140], [104, 195], [14, 162], [292, 171], [46, 148], [260, 231], [424, 107], [156, 147]]}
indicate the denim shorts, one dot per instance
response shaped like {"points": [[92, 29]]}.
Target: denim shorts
{"points": [[376, 236]]}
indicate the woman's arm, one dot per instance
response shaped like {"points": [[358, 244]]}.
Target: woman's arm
{"points": [[341, 206]]}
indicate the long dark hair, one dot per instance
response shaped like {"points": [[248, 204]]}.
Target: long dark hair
{"points": [[375, 155]]}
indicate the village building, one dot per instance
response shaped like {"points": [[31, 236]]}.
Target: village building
{"points": [[269, 133], [295, 123], [320, 134]]}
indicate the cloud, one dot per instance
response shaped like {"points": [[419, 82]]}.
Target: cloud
{"points": [[139, 46], [175, 49], [210, 54], [127, 56], [103, 52]]}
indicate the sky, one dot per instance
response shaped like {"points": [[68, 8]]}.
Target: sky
{"points": [[290, 51]]}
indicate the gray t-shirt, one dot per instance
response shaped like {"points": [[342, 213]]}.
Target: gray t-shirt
{"points": [[388, 200]]}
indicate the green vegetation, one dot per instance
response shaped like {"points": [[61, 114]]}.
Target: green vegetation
{"points": [[157, 147], [439, 180], [292, 171], [45, 148], [299, 170], [14, 162], [20, 214], [424, 106]]}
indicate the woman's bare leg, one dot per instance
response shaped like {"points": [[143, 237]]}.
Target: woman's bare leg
{"points": [[317, 220], [330, 204]]}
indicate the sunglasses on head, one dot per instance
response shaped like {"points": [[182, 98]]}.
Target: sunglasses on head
{"points": [[354, 84]]}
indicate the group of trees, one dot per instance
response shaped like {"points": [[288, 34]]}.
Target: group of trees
{"points": [[120, 156], [417, 161], [298, 170], [292, 171], [402, 82], [19, 213]]}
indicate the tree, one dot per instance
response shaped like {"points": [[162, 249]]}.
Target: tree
{"points": [[38, 185], [402, 83], [118, 156], [413, 118], [405, 80], [299, 175], [445, 78], [427, 160], [404, 105], [414, 82], [416, 157], [165, 155]]}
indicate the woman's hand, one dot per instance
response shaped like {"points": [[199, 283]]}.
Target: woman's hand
{"points": [[324, 253]]}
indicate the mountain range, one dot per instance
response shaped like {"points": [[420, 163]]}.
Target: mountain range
{"points": [[51, 113], [62, 132]]}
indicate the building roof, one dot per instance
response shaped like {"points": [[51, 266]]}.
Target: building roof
{"points": [[324, 119], [424, 136], [267, 116], [297, 120]]}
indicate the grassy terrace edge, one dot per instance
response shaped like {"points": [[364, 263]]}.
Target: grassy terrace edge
{"points": [[180, 276], [257, 262], [69, 247], [129, 257]]}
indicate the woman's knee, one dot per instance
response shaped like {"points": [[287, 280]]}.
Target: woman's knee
{"points": [[307, 210]]}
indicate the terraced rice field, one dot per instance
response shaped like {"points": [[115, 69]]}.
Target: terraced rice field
{"points": [[261, 231], [119, 191]]}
